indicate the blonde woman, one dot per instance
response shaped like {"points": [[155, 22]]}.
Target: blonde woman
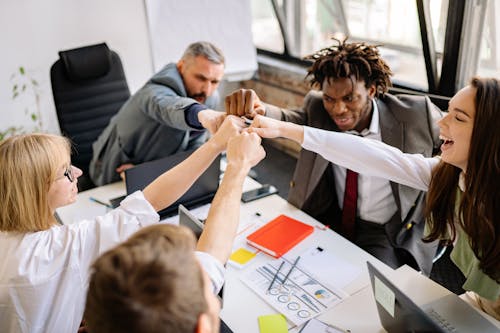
{"points": [[44, 269]]}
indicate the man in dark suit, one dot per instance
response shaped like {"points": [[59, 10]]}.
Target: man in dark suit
{"points": [[386, 217]]}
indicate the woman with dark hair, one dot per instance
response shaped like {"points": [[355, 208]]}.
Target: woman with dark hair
{"points": [[463, 183]]}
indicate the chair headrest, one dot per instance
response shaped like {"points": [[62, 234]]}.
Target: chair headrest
{"points": [[87, 62]]}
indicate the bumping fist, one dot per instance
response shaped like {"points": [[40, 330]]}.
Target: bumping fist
{"points": [[211, 119], [244, 102], [245, 150], [231, 126]]}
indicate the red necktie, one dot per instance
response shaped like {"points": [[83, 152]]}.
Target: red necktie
{"points": [[350, 203]]}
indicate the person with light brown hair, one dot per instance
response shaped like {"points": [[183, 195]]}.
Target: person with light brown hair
{"points": [[155, 281], [45, 266], [462, 184]]}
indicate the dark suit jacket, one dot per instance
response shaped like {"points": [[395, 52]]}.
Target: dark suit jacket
{"points": [[406, 122]]}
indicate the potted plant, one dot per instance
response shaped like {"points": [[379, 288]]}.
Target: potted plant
{"points": [[24, 85]]}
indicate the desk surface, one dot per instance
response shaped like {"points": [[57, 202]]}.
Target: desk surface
{"points": [[242, 306]]}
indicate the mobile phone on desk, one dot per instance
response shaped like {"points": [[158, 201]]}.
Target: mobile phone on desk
{"points": [[258, 193]]}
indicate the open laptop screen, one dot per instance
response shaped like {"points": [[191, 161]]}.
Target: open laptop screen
{"points": [[397, 312], [201, 192], [187, 219]]}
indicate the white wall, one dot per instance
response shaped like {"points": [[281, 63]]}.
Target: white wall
{"points": [[174, 24], [33, 31]]}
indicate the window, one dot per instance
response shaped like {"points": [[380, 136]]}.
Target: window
{"points": [[489, 54], [265, 27], [309, 25]]}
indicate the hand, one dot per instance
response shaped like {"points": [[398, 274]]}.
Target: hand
{"points": [[121, 169], [266, 127], [211, 119], [271, 128], [231, 126], [245, 150], [244, 102]]}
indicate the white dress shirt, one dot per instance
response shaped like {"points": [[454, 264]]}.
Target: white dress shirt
{"points": [[377, 208], [44, 275]]}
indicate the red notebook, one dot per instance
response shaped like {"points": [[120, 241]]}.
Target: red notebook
{"points": [[279, 235]]}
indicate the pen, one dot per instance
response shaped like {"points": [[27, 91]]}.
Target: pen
{"points": [[100, 202], [275, 275], [291, 269]]}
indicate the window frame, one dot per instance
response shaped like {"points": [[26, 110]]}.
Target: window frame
{"points": [[454, 68]]}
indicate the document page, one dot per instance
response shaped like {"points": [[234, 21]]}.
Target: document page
{"points": [[293, 292], [330, 268]]}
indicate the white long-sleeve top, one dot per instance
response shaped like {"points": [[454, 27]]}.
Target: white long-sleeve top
{"points": [[371, 157], [44, 275], [381, 160]]}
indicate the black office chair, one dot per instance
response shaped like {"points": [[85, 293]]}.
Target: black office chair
{"points": [[89, 87]]}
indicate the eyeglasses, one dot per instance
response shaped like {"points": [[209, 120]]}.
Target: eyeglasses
{"points": [[68, 173]]}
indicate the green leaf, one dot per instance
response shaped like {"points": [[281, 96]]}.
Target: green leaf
{"points": [[23, 87], [33, 117], [34, 82], [21, 70], [15, 95], [14, 88]]}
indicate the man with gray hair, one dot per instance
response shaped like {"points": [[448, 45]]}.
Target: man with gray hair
{"points": [[167, 115]]}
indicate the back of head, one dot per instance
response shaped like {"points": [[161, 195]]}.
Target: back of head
{"points": [[28, 165], [350, 60], [150, 283], [204, 49]]}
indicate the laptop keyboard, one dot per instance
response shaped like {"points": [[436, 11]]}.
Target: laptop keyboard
{"points": [[443, 323]]}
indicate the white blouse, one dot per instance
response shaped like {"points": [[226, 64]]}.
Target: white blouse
{"points": [[371, 157], [44, 275]]}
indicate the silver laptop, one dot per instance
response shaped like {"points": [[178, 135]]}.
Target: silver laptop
{"points": [[187, 219], [398, 313]]}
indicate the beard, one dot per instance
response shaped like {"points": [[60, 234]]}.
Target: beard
{"points": [[201, 97]]}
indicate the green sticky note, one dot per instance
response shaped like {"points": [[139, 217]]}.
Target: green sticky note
{"points": [[275, 323]]}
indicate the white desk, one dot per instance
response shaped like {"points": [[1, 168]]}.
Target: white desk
{"points": [[242, 306]]}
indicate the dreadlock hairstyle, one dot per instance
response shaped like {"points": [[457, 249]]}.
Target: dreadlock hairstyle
{"points": [[346, 60]]}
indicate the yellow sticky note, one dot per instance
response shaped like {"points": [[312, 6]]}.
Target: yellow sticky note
{"points": [[275, 323], [241, 256]]}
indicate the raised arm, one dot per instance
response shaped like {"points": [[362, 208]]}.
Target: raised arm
{"points": [[243, 152], [366, 156], [171, 185]]}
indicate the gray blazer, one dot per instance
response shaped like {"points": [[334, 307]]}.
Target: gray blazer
{"points": [[406, 122], [149, 126]]}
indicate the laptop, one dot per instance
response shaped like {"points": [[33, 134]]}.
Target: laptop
{"points": [[398, 313], [187, 219], [201, 192]]}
